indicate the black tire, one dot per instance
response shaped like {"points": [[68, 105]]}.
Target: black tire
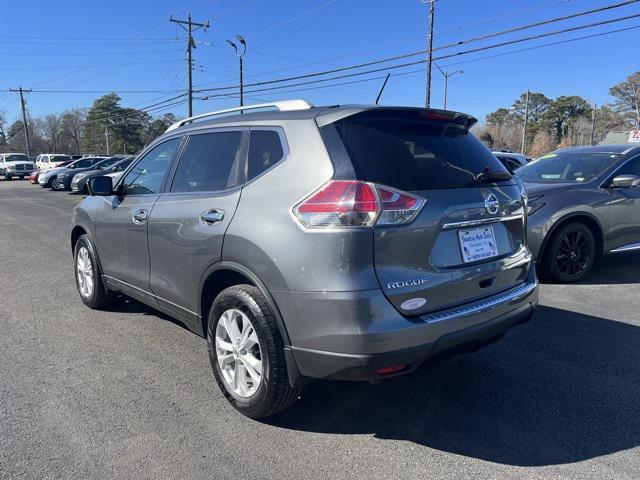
{"points": [[570, 255], [7, 177], [100, 296], [273, 393]]}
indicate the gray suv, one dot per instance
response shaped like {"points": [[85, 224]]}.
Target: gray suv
{"points": [[584, 202], [348, 242]]}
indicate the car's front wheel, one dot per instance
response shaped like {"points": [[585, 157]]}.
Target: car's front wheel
{"points": [[570, 255], [92, 289], [247, 353]]}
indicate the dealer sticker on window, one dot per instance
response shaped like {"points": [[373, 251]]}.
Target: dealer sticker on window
{"points": [[477, 244]]}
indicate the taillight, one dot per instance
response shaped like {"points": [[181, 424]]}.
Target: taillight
{"points": [[397, 207], [339, 203], [351, 203]]}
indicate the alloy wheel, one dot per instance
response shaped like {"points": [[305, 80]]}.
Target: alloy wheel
{"points": [[573, 254], [238, 353], [84, 272]]}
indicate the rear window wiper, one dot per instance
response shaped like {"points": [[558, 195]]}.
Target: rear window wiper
{"points": [[489, 175]]}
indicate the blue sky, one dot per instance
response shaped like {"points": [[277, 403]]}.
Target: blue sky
{"points": [[131, 46]]}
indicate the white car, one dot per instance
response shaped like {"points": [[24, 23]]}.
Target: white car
{"points": [[115, 176], [512, 161], [46, 161], [15, 165]]}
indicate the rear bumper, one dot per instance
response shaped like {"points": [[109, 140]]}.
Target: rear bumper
{"points": [[366, 335], [338, 366]]}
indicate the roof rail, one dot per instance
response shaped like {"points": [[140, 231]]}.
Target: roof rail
{"points": [[283, 106]]}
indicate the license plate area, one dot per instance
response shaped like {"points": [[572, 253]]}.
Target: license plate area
{"points": [[477, 243]]}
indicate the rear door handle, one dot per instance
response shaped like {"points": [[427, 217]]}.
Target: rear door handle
{"points": [[140, 216], [211, 217]]}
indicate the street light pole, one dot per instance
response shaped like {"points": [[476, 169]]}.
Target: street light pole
{"points": [[446, 81], [240, 56]]}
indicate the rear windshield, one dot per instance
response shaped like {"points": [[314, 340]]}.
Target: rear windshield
{"points": [[59, 158], [413, 153]]}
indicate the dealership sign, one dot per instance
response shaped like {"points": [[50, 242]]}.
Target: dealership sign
{"points": [[634, 136]]}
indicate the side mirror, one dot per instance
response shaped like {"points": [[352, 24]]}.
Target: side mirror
{"points": [[625, 181], [101, 186]]}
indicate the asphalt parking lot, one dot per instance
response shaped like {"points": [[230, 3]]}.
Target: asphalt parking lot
{"points": [[128, 393]]}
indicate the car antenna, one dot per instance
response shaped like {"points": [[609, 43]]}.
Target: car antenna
{"points": [[384, 84]]}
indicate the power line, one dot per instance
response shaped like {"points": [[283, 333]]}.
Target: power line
{"points": [[293, 19], [535, 47], [538, 24], [393, 67], [74, 54], [421, 52], [155, 62], [98, 91]]}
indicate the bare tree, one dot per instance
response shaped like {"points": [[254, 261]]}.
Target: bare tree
{"points": [[52, 129], [542, 143], [627, 95], [73, 128]]}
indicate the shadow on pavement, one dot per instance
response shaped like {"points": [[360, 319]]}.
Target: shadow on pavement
{"points": [[560, 389], [615, 269]]}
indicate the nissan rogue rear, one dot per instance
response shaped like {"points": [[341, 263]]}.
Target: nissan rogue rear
{"points": [[347, 243]]}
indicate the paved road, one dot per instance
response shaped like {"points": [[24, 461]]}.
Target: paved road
{"points": [[128, 393]]}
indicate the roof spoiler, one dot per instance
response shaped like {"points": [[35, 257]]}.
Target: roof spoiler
{"points": [[416, 113]]}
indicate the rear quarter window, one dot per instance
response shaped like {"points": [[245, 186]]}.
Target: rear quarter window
{"points": [[413, 154], [265, 150]]}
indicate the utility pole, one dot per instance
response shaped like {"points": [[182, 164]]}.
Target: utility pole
{"points": [[446, 81], [429, 50], [190, 45], [526, 120], [243, 42], [106, 136], [593, 123], [22, 91]]}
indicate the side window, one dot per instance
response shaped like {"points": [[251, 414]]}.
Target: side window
{"points": [[83, 164], [631, 168], [148, 174], [210, 162], [265, 150], [512, 165]]}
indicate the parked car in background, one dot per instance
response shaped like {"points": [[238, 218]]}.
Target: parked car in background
{"points": [[512, 161], [346, 243], [63, 179], [584, 202], [79, 182], [76, 157], [116, 174], [47, 177], [15, 165], [47, 161]]}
